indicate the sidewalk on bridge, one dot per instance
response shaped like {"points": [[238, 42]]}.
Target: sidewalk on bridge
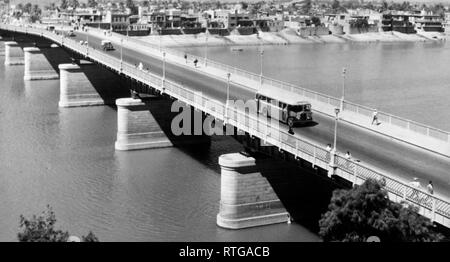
{"points": [[384, 128]]}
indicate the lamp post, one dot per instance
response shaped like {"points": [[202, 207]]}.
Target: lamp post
{"points": [[121, 53], [164, 65], [336, 111], [206, 49], [87, 44], [160, 31], [344, 71], [261, 71], [228, 96], [164, 71]]}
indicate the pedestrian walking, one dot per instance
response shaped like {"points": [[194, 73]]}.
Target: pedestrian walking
{"points": [[430, 188], [375, 117], [195, 62], [291, 131], [141, 66], [185, 58], [348, 155]]}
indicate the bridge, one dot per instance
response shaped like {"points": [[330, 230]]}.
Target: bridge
{"points": [[394, 151]]}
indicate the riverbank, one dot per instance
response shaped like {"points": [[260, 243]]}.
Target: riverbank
{"points": [[287, 37]]}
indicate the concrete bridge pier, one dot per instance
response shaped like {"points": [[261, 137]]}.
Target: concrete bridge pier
{"points": [[147, 123], [37, 67], [247, 196], [136, 127], [13, 54], [87, 84]]}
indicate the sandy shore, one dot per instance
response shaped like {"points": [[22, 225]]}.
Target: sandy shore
{"points": [[287, 37]]}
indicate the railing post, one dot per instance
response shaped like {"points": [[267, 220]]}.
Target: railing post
{"points": [[404, 192], [314, 161], [332, 164], [433, 210]]}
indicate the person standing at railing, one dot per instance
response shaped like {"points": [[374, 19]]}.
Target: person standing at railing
{"points": [[375, 117], [328, 155], [430, 188]]}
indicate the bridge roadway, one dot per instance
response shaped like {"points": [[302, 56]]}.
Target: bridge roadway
{"points": [[382, 153]]}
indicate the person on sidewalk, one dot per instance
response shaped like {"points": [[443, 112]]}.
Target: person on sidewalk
{"points": [[328, 155], [185, 58], [195, 62], [430, 188], [348, 155], [375, 117]]}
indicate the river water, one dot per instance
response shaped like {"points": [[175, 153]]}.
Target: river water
{"points": [[411, 80], [66, 157]]}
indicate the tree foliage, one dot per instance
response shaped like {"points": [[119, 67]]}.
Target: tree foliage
{"points": [[315, 21], [364, 211], [42, 229], [64, 4], [130, 4], [92, 3]]}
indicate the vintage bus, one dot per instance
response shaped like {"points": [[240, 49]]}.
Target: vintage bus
{"points": [[285, 106]]}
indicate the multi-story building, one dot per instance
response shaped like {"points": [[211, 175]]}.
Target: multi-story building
{"points": [[428, 23], [447, 23], [397, 22]]}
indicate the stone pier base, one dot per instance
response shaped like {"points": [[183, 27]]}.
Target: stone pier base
{"points": [[13, 54], [87, 84], [147, 123], [136, 127], [247, 198], [37, 67]]}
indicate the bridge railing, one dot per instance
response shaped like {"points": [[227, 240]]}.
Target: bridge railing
{"points": [[431, 206]]}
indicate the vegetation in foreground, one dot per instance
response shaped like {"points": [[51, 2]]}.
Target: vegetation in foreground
{"points": [[355, 215], [42, 229]]}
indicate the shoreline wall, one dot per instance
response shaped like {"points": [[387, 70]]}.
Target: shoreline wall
{"points": [[288, 37]]}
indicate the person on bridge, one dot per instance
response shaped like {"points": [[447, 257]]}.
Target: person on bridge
{"points": [[375, 117], [195, 62], [430, 188], [328, 155], [185, 58], [141, 66], [291, 131], [348, 155]]}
